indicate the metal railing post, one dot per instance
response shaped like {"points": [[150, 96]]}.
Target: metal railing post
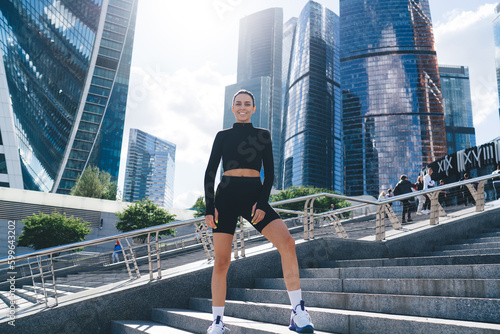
{"points": [[380, 223], [235, 246], [242, 238], [150, 264], [435, 212], [206, 241], [396, 224], [53, 280], [478, 195], [158, 260], [305, 219], [341, 233]]}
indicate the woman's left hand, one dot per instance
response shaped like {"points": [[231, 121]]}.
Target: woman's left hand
{"points": [[257, 215]]}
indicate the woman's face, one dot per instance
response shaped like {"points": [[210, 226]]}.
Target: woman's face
{"points": [[243, 108]]}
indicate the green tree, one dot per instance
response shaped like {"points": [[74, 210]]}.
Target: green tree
{"points": [[43, 231], [143, 214], [321, 204], [95, 183], [200, 207]]}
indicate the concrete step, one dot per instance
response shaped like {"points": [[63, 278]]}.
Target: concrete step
{"points": [[19, 300], [480, 239], [491, 233], [476, 288], [198, 322], [455, 252], [145, 327], [467, 309], [413, 261], [473, 271], [346, 321], [471, 245]]}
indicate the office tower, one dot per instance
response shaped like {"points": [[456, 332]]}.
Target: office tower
{"points": [[312, 141], [393, 119], [457, 105], [10, 165], [67, 66], [496, 34], [150, 169], [259, 71]]}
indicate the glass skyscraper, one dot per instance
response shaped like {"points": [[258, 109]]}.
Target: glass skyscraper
{"points": [[393, 119], [457, 104], [496, 34], [312, 137], [259, 71], [150, 169], [67, 66]]}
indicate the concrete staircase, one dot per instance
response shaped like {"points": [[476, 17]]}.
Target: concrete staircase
{"points": [[453, 289], [26, 296]]}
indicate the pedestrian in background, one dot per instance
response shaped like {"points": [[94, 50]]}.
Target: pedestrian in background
{"points": [[404, 187]]}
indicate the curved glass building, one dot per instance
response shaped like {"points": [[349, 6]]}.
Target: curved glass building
{"points": [[312, 140], [393, 120], [67, 66]]}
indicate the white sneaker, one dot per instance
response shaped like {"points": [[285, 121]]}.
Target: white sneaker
{"points": [[300, 321], [419, 213], [217, 327]]}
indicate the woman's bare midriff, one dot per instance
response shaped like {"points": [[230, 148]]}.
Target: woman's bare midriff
{"points": [[242, 172]]}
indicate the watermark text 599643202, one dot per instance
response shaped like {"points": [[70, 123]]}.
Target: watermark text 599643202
{"points": [[11, 240]]}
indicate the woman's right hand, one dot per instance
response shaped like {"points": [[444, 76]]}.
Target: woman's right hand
{"points": [[209, 219]]}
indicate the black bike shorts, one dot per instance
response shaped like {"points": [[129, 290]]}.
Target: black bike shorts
{"points": [[235, 197]]}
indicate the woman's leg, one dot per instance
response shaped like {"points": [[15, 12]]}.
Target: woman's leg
{"points": [[223, 243], [277, 233]]}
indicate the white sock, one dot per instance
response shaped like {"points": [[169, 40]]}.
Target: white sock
{"points": [[295, 297], [218, 311]]}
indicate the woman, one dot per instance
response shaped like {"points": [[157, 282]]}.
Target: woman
{"points": [[244, 149], [420, 198]]}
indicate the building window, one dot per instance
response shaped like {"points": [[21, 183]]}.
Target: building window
{"points": [[3, 164], [1, 142], [4, 184]]}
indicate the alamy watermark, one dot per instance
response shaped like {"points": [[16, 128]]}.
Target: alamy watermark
{"points": [[11, 240]]}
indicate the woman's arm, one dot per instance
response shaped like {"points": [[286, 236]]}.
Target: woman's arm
{"points": [[268, 163], [210, 173]]}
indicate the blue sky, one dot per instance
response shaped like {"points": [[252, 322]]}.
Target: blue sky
{"points": [[185, 53]]}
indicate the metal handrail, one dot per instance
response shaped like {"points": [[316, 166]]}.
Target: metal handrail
{"points": [[159, 228], [308, 215], [93, 242]]}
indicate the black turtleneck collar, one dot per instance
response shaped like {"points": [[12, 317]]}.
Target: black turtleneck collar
{"points": [[242, 125]]}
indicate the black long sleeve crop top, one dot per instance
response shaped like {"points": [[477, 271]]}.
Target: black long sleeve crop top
{"points": [[242, 146]]}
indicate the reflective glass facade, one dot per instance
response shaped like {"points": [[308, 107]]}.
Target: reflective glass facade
{"points": [[393, 120], [312, 139], [457, 104], [150, 169], [259, 60], [496, 34], [63, 60]]}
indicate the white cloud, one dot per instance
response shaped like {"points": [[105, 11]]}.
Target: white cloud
{"points": [[466, 38], [184, 107]]}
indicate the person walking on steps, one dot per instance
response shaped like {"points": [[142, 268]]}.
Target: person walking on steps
{"points": [[244, 149], [428, 183], [117, 250], [404, 187], [420, 198]]}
